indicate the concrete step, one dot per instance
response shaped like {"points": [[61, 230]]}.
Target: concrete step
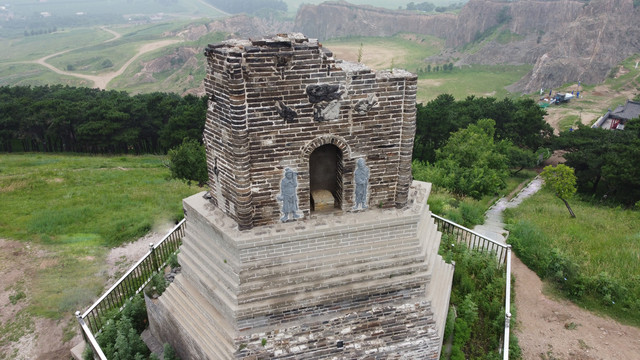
{"points": [[208, 285], [341, 265], [212, 266], [336, 283], [393, 248], [337, 292], [204, 307], [199, 320]]}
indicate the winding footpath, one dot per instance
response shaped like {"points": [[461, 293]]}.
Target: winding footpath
{"points": [[101, 81], [556, 329]]}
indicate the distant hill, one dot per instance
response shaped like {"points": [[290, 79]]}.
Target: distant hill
{"points": [[34, 17], [565, 40]]}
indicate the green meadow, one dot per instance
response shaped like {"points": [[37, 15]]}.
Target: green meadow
{"points": [[477, 80], [409, 51], [75, 208], [592, 259], [35, 75], [34, 47]]}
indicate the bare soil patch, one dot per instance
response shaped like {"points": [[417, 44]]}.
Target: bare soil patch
{"points": [[558, 329], [376, 57], [42, 338], [28, 337]]}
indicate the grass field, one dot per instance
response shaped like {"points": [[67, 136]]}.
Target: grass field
{"points": [[35, 75], [35, 47], [75, 208], [408, 51], [89, 59], [404, 51], [600, 247], [478, 80]]}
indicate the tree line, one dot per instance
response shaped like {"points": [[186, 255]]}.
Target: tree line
{"points": [[61, 118], [471, 146], [605, 162]]}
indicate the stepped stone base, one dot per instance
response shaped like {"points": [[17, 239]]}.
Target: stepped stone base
{"points": [[362, 285]]}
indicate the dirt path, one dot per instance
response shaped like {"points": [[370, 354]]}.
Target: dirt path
{"points": [[592, 104], [558, 329], [26, 337], [101, 81]]}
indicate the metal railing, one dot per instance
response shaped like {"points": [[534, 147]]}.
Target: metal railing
{"points": [[130, 284], [479, 242]]}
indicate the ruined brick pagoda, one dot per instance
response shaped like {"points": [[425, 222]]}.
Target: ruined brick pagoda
{"points": [[313, 242]]}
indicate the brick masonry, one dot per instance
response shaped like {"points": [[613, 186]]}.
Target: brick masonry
{"points": [[362, 278], [343, 284], [264, 116]]}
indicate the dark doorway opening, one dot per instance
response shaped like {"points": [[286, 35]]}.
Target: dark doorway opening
{"points": [[325, 177]]}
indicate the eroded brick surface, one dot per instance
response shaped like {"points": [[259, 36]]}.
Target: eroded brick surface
{"points": [[272, 102]]}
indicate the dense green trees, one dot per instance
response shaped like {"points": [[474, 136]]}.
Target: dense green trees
{"points": [[470, 162], [605, 162], [63, 118], [521, 121], [468, 146]]}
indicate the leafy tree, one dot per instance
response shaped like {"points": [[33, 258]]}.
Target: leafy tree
{"points": [[518, 158], [470, 162], [188, 162], [521, 121], [562, 181], [605, 161], [170, 353]]}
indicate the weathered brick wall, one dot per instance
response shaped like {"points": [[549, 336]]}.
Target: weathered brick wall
{"points": [[366, 328], [261, 120], [263, 277]]}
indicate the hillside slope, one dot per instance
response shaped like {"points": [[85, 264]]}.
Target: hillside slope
{"points": [[565, 40]]}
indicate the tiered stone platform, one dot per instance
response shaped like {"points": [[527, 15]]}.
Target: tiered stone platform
{"points": [[355, 285]]}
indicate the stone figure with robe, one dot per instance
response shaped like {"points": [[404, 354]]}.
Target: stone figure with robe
{"points": [[361, 175], [288, 195]]}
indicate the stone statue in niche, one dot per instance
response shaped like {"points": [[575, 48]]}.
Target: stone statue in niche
{"points": [[327, 113], [365, 105], [324, 92], [288, 195], [361, 176], [286, 112]]}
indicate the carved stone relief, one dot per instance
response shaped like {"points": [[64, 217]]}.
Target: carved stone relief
{"points": [[327, 113], [288, 195], [323, 92], [365, 105], [361, 177], [285, 112]]}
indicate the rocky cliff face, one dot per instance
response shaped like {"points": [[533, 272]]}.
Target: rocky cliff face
{"points": [[604, 33], [565, 40], [337, 19]]}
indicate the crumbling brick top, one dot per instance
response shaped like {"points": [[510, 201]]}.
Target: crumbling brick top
{"points": [[293, 42]]}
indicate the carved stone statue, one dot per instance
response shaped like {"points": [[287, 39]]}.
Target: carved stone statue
{"points": [[288, 195], [323, 92], [286, 112], [365, 105], [361, 176], [327, 113]]}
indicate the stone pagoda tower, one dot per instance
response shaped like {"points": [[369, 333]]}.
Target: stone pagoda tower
{"points": [[313, 242]]}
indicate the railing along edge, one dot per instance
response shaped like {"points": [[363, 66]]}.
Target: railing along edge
{"points": [[84, 328], [506, 260]]}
